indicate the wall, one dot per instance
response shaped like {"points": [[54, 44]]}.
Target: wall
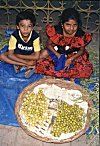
{"points": [[48, 11]]}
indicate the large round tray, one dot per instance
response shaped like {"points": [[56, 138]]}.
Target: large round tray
{"points": [[62, 84]]}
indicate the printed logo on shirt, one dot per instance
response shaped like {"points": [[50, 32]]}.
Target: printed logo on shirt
{"points": [[21, 47]]}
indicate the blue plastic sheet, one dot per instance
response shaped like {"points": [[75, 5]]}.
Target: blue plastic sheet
{"points": [[11, 84]]}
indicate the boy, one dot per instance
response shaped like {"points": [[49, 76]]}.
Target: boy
{"points": [[24, 43]]}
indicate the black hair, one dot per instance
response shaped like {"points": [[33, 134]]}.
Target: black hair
{"points": [[70, 13], [26, 15]]}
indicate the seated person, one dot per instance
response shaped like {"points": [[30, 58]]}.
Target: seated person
{"points": [[24, 43], [67, 56]]}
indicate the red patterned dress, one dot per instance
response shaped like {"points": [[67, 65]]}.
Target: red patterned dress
{"points": [[82, 67]]}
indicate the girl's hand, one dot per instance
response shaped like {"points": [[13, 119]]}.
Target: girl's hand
{"points": [[68, 62]]}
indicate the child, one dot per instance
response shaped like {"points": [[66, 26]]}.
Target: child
{"points": [[24, 43], [66, 43]]}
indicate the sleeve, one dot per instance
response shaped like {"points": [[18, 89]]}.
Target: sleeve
{"points": [[50, 30], [78, 42], [87, 38], [12, 43], [82, 41], [36, 44]]}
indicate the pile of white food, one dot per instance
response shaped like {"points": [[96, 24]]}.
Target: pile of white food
{"points": [[55, 92]]}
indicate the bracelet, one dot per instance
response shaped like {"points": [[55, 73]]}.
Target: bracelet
{"points": [[70, 59]]}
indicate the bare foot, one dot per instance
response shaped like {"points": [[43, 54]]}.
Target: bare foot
{"points": [[17, 68], [29, 73], [72, 79]]}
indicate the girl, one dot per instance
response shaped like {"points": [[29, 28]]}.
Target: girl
{"points": [[66, 43]]}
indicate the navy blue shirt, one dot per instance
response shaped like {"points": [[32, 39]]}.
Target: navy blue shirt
{"points": [[24, 48]]}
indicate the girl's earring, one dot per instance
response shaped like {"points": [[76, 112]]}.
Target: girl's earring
{"points": [[17, 27], [61, 25]]}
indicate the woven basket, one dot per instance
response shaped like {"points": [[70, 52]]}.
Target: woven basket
{"points": [[62, 84]]}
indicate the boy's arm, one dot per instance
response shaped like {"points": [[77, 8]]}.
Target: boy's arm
{"points": [[33, 56], [15, 58], [10, 61], [50, 46]]}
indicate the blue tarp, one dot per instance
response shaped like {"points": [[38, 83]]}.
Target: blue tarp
{"points": [[11, 84]]}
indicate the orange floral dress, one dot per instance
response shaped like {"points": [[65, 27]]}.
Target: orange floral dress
{"points": [[82, 67]]}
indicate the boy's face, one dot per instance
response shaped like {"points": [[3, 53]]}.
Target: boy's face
{"points": [[25, 27], [70, 27]]}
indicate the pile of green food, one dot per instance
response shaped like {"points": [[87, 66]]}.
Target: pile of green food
{"points": [[70, 118], [35, 108]]}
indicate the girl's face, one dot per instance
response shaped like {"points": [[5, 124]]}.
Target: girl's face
{"points": [[25, 27], [70, 27]]}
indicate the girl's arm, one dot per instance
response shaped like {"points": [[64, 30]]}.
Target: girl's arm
{"points": [[69, 60], [50, 46], [79, 53]]}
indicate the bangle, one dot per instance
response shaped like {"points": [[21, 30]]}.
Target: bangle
{"points": [[70, 59]]}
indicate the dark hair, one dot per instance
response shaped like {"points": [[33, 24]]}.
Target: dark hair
{"points": [[26, 15], [70, 13]]}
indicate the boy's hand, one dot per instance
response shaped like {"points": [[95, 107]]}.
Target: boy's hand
{"points": [[31, 62], [29, 67]]}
